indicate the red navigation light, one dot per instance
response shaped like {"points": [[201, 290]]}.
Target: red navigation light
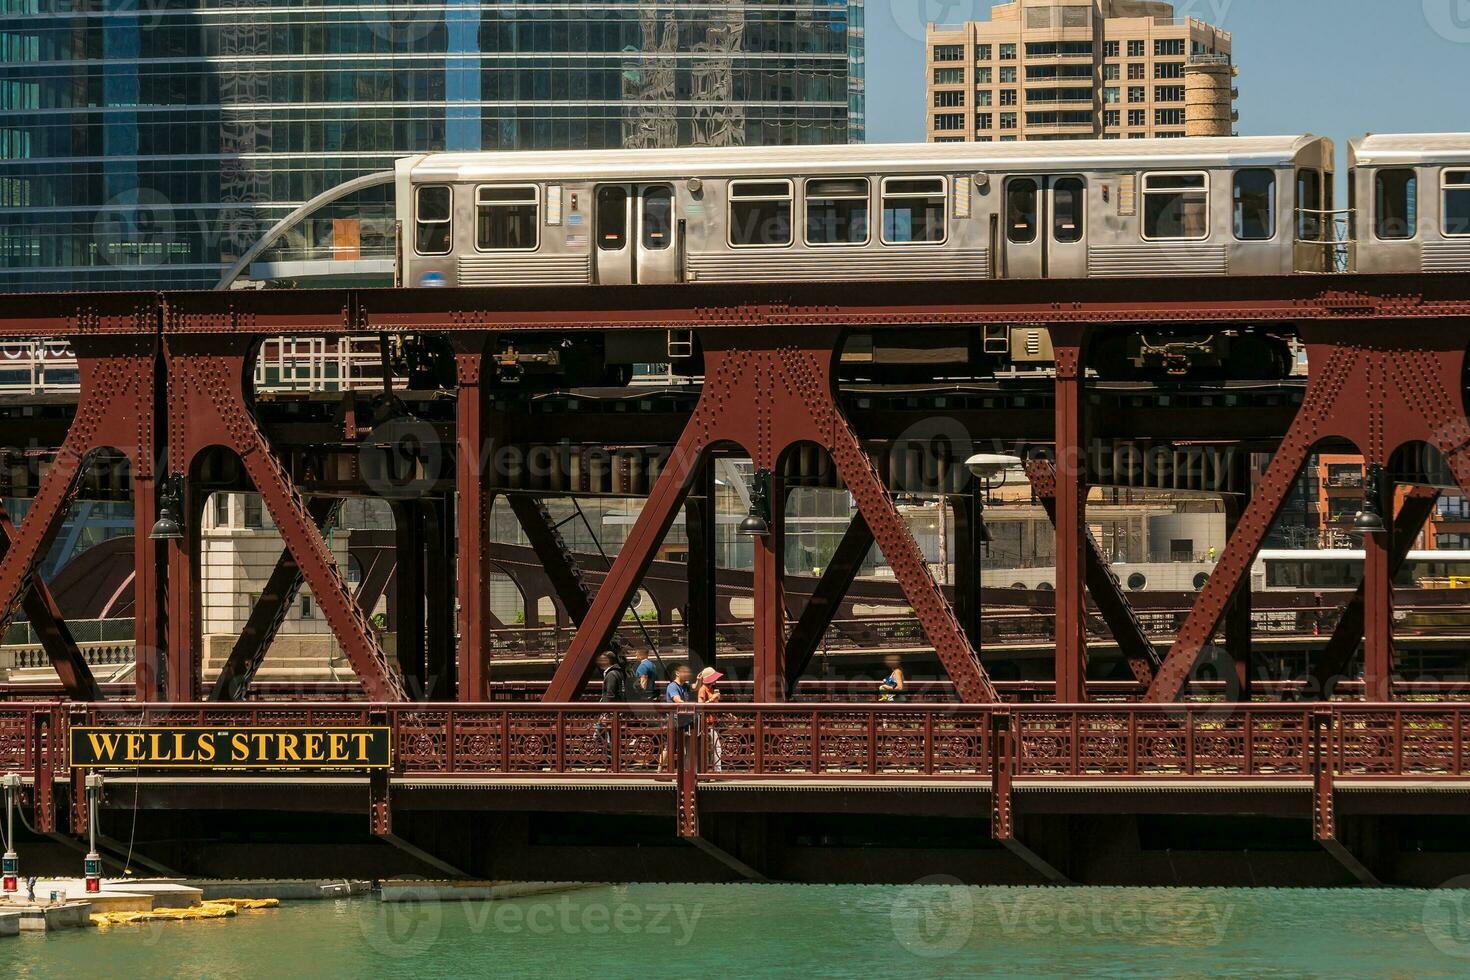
{"points": [[94, 885], [12, 884]]}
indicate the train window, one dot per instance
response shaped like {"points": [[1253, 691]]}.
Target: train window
{"points": [[837, 211], [1176, 206], [658, 217], [434, 232], [1068, 202], [508, 218], [1255, 205], [914, 210], [760, 213], [1308, 203], [1457, 203], [1397, 200], [612, 218], [1021, 197]]}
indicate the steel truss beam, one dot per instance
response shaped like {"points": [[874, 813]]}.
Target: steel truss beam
{"points": [[207, 407], [1414, 511], [1106, 592], [269, 612], [827, 598], [1401, 385], [115, 413], [767, 395]]}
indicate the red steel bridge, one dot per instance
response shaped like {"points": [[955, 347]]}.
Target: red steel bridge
{"points": [[1184, 723]]}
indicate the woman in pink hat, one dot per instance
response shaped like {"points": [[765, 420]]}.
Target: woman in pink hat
{"points": [[706, 692]]}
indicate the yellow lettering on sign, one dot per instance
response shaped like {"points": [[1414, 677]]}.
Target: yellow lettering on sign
{"points": [[104, 744]]}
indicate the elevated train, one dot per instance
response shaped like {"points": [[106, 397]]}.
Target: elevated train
{"points": [[1254, 206]]}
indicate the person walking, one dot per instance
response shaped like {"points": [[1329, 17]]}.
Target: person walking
{"points": [[706, 692], [677, 692], [614, 689], [645, 676]]}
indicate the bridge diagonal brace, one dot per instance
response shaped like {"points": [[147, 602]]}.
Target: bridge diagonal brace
{"points": [[556, 558], [207, 407], [825, 600], [892, 535], [606, 611], [1107, 592], [45, 618], [1417, 507], [1232, 571], [269, 612]]}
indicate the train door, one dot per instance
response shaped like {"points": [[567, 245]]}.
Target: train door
{"points": [[1045, 229], [636, 234]]}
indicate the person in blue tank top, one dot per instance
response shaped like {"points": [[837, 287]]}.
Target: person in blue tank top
{"points": [[894, 684]]}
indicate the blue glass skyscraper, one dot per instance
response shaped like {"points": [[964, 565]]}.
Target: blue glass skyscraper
{"points": [[148, 143]]}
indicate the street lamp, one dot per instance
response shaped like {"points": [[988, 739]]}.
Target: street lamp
{"points": [[1369, 520], [757, 523], [990, 471], [170, 523]]}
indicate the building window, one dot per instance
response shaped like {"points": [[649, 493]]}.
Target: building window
{"points": [[254, 511], [913, 210], [221, 510], [949, 76], [983, 52], [1255, 205], [1007, 120], [1136, 49], [1168, 93], [1168, 117], [308, 608], [1010, 139], [984, 121], [1169, 48], [1112, 95], [949, 100], [985, 97], [1137, 73], [507, 218], [1111, 136], [837, 211], [1172, 135], [1007, 52], [435, 227], [1112, 117], [1138, 93], [1110, 49], [949, 52], [1021, 200], [1008, 75], [1007, 96], [1068, 202], [1111, 73], [760, 212], [1457, 203], [1176, 206], [1138, 117], [984, 76], [948, 122], [1397, 200], [1169, 69]]}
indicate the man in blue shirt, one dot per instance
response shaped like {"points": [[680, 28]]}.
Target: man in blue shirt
{"points": [[678, 690], [645, 677]]}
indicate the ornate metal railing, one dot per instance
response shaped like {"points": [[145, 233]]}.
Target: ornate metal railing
{"points": [[885, 741]]}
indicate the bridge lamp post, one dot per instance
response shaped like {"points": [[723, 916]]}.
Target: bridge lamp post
{"points": [[757, 523], [990, 471], [1369, 520], [170, 524]]}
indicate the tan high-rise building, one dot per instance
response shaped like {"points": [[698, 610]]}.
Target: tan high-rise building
{"points": [[1069, 69]]}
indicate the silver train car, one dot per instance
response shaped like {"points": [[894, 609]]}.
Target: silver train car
{"points": [[1254, 206], [1410, 200]]}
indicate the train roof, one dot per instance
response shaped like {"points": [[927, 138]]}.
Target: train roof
{"points": [[1347, 554], [1189, 153], [1386, 149]]}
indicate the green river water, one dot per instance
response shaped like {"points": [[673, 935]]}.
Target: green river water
{"points": [[797, 930]]}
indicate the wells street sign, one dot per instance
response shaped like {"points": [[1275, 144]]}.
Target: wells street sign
{"points": [[285, 749]]}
